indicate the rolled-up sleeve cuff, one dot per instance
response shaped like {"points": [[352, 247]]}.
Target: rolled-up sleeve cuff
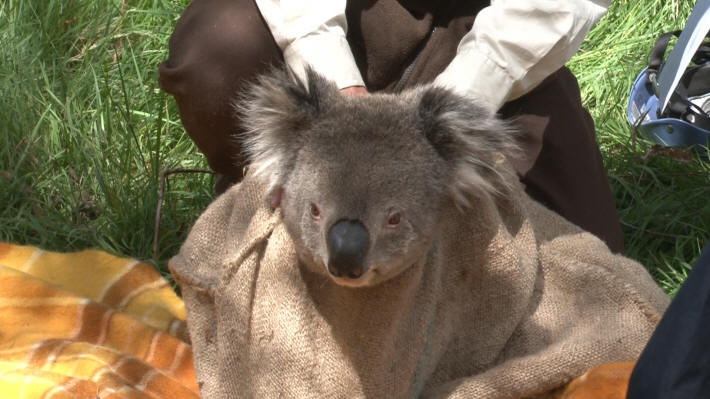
{"points": [[329, 55], [471, 73]]}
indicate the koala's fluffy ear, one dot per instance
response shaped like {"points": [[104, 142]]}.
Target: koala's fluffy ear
{"points": [[471, 138], [275, 111]]}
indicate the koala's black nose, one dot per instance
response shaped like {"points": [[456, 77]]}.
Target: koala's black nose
{"points": [[348, 241]]}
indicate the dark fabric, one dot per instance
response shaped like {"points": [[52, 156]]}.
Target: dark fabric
{"points": [[659, 50], [563, 167], [383, 50], [220, 44], [676, 361], [217, 46], [398, 44]]}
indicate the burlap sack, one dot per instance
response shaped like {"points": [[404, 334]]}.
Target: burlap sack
{"points": [[511, 302]]}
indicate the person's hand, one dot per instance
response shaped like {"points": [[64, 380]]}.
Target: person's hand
{"points": [[354, 91]]}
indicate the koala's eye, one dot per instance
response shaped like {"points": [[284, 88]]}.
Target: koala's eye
{"points": [[394, 219], [315, 211]]}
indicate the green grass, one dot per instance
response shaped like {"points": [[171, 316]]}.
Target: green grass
{"points": [[85, 131], [663, 201]]}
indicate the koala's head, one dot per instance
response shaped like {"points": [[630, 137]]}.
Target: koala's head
{"points": [[362, 181]]}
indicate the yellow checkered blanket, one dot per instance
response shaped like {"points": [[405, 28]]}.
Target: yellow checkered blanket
{"points": [[90, 325]]}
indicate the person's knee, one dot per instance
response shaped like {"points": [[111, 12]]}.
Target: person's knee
{"points": [[226, 40]]}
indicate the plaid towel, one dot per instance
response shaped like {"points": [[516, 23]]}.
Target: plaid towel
{"points": [[90, 325], [93, 325]]}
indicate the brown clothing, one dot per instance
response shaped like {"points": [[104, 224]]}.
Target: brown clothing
{"points": [[219, 45]]}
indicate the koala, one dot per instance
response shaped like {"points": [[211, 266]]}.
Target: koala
{"points": [[362, 181]]}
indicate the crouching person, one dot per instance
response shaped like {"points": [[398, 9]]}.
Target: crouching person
{"points": [[507, 55]]}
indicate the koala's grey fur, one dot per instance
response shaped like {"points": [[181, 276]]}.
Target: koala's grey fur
{"points": [[368, 157]]}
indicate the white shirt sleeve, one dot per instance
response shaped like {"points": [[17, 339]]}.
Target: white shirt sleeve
{"points": [[313, 32], [512, 47], [515, 44]]}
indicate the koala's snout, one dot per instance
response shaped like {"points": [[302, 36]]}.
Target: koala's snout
{"points": [[348, 242]]}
